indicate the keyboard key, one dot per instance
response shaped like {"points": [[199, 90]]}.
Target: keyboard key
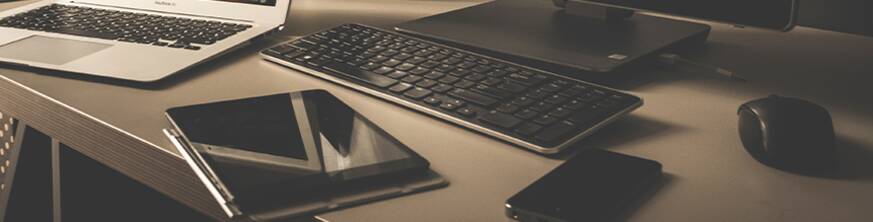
{"points": [[556, 99], [450, 80], [460, 72], [392, 62], [574, 104], [524, 80], [419, 71], [383, 70], [433, 101], [365, 76], [497, 73], [434, 75], [416, 60], [481, 69], [276, 51], [445, 68], [468, 112], [512, 87], [555, 132], [380, 59], [560, 112], [399, 88], [404, 56], [492, 91], [315, 62], [537, 94], [587, 115], [571, 92], [551, 87], [426, 83], [473, 97], [508, 108], [541, 106], [608, 102], [305, 45], [371, 66], [397, 74], [492, 81], [452, 61], [467, 65], [523, 101], [500, 119], [589, 97], [417, 93], [405, 67], [545, 120], [442, 88], [430, 64], [527, 114], [528, 129], [475, 77], [465, 84], [411, 79], [451, 104]]}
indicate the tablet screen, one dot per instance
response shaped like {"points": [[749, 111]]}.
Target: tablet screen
{"points": [[291, 144], [263, 125]]}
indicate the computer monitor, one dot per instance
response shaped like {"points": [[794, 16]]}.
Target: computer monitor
{"points": [[593, 40], [848, 16]]}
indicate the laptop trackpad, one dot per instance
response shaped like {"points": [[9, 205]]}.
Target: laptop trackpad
{"points": [[55, 51]]}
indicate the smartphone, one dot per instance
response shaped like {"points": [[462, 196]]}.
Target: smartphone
{"points": [[778, 15], [594, 185]]}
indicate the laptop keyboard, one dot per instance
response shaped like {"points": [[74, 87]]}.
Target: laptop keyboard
{"points": [[536, 107], [156, 30]]}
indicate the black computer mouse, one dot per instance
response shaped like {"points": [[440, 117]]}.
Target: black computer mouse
{"points": [[788, 133]]}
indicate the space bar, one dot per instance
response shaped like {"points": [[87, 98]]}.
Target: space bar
{"points": [[362, 75]]}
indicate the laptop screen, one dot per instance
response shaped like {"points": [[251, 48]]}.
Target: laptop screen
{"points": [[256, 2]]}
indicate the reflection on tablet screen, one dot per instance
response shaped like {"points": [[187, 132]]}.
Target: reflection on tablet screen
{"points": [[291, 142]]}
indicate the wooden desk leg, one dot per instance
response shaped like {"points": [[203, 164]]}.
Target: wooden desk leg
{"points": [[28, 196], [56, 180]]}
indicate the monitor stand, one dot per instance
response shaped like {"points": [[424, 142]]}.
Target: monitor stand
{"points": [[581, 41]]}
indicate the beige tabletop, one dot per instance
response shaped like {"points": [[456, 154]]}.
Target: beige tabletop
{"points": [[688, 124]]}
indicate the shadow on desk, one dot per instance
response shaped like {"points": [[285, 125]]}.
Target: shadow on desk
{"points": [[854, 160]]}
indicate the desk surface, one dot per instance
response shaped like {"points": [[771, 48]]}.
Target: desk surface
{"points": [[688, 124]]}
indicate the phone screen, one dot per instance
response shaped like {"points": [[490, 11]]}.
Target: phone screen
{"points": [[770, 14], [594, 185]]}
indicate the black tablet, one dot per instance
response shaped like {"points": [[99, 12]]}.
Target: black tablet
{"points": [[286, 146]]}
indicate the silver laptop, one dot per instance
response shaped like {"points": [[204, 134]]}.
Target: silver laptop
{"points": [[139, 40]]}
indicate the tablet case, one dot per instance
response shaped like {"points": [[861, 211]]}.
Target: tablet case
{"points": [[356, 195]]}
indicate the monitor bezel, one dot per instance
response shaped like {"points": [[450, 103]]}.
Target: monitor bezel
{"points": [[792, 21]]}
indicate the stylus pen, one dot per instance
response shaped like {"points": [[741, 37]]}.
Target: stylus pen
{"points": [[673, 59]]}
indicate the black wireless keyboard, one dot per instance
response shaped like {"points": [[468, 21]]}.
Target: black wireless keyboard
{"points": [[534, 109]]}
